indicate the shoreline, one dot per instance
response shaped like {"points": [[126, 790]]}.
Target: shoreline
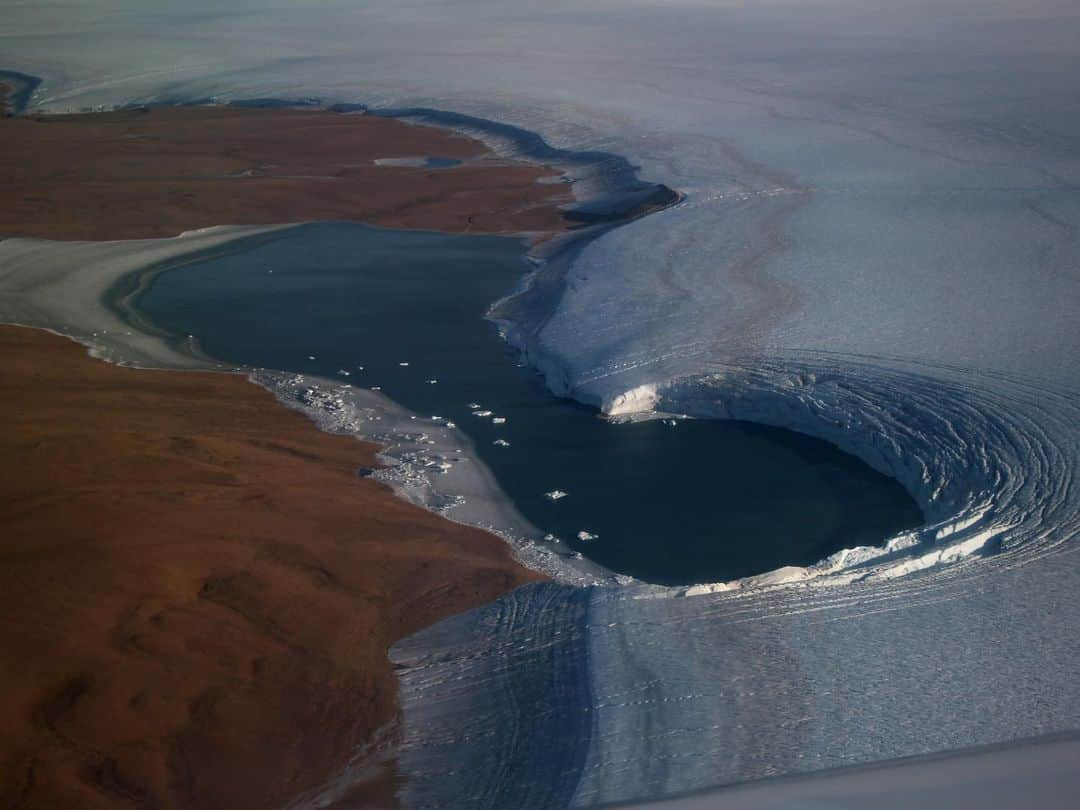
{"points": [[111, 334], [550, 253], [322, 570], [136, 602], [154, 172]]}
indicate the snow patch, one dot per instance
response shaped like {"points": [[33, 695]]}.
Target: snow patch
{"points": [[641, 399]]}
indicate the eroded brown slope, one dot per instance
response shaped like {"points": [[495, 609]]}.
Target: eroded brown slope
{"points": [[196, 589], [161, 171]]}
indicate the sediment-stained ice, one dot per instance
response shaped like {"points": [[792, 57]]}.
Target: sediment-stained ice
{"points": [[878, 244], [60, 286]]}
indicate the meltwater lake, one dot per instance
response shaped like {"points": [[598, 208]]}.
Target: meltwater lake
{"points": [[667, 501]]}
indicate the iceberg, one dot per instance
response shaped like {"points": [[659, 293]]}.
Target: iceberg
{"points": [[641, 399]]}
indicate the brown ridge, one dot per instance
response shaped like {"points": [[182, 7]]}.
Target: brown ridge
{"points": [[164, 170], [197, 591]]}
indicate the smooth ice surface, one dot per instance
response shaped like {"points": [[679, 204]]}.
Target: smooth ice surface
{"points": [[59, 286], [1038, 773], [878, 245]]}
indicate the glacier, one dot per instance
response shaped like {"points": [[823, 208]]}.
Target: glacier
{"points": [[877, 243]]}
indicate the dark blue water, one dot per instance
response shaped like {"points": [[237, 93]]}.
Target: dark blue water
{"points": [[441, 163], [21, 89], [698, 502]]}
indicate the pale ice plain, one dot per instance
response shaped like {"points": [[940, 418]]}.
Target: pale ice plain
{"points": [[879, 245]]}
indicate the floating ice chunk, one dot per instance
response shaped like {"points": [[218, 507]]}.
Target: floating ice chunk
{"points": [[499, 420], [437, 418], [474, 406], [551, 538], [311, 357], [359, 368], [715, 587], [343, 372], [501, 443], [431, 382], [671, 422], [637, 400], [376, 388], [555, 494], [780, 576], [481, 413], [585, 536], [451, 424], [403, 363]]}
